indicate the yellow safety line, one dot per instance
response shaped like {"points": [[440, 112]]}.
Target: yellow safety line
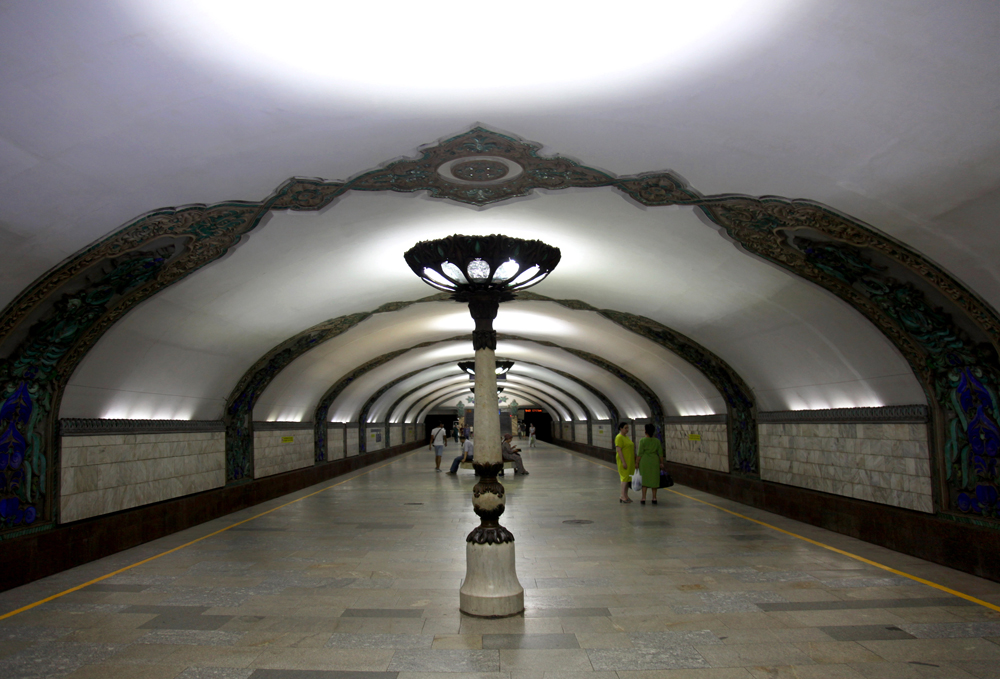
{"points": [[922, 581], [188, 544]]}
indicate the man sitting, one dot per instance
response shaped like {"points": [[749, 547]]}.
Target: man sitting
{"points": [[466, 455], [509, 452]]}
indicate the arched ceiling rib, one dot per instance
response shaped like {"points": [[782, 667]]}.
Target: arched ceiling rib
{"points": [[446, 389], [564, 406], [416, 399], [553, 406], [376, 407]]}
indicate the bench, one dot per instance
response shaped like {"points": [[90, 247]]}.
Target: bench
{"points": [[507, 464]]}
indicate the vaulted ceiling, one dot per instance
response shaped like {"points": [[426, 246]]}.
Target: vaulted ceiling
{"points": [[888, 113]]}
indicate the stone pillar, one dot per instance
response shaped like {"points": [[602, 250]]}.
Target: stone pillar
{"points": [[491, 588]]}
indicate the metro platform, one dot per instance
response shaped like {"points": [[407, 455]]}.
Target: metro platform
{"points": [[358, 578]]}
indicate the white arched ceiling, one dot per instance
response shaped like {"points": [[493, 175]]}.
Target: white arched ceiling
{"points": [[112, 109], [594, 405], [523, 384], [450, 392], [406, 405], [548, 403], [347, 406], [377, 412], [796, 345]]}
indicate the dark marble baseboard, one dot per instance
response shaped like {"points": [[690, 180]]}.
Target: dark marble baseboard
{"points": [[39, 555], [950, 543]]}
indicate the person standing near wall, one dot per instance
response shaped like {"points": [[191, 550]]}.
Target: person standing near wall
{"points": [[649, 459], [531, 437], [439, 439], [625, 457]]}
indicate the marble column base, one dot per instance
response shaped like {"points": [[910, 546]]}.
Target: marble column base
{"points": [[491, 588]]}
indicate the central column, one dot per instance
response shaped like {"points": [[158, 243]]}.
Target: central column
{"points": [[491, 588]]}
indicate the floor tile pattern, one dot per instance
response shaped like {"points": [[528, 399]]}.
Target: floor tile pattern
{"points": [[361, 582]]}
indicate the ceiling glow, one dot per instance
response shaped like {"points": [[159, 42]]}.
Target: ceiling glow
{"points": [[369, 49]]}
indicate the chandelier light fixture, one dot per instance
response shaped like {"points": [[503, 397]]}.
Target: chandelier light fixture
{"points": [[484, 271], [503, 367], [499, 390]]}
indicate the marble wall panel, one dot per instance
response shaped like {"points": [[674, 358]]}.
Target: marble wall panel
{"points": [[335, 441], [411, 432], [396, 434], [885, 463], [275, 452], [580, 432], [374, 438], [109, 473], [603, 434], [699, 445], [353, 439]]}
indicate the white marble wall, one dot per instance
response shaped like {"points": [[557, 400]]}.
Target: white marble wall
{"points": [[396, 434], [567, 431], [335, 442], [711, 452], [108, 473], [421, 432], [411, 433], [374, 439], [352, 441], [273, 453], [580, 432], [885, 463], [603, 434]]}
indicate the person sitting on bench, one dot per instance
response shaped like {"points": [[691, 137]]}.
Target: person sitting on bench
{"points": [[466, 455], [513, 454]]}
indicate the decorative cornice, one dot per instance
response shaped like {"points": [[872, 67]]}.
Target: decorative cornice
{"points": [[97, 426], [916, 414], [281, 426], [698, 419]]}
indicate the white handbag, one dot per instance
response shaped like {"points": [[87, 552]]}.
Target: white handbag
{"points": [[636, 481]]}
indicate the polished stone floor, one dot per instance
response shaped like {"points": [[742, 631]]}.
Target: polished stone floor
{"points": [[360, 581]]}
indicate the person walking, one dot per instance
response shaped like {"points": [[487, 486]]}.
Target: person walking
{"points": [[439, 439], [508, 452], [649, 459], [531, 436], [466, 455], [455, 432], [625, 458]]}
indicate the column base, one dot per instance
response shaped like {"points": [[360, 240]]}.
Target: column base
{"points": [[491, 588]]}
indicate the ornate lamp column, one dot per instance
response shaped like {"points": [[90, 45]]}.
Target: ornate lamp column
{"points": [[485, 271]]}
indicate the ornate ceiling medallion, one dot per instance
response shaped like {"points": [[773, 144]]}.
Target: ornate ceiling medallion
{"points": [[480, 170]]}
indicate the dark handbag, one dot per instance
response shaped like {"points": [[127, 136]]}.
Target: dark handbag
{"points": [[665, 479]]}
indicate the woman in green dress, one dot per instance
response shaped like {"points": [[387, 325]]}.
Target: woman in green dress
{"points": [[625, 457], [649, 460]]}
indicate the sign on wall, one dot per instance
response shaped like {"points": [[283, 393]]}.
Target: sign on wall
{"points": [[288, 439]]}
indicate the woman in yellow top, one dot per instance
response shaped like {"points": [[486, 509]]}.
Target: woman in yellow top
{"points": [[625, 456]]}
